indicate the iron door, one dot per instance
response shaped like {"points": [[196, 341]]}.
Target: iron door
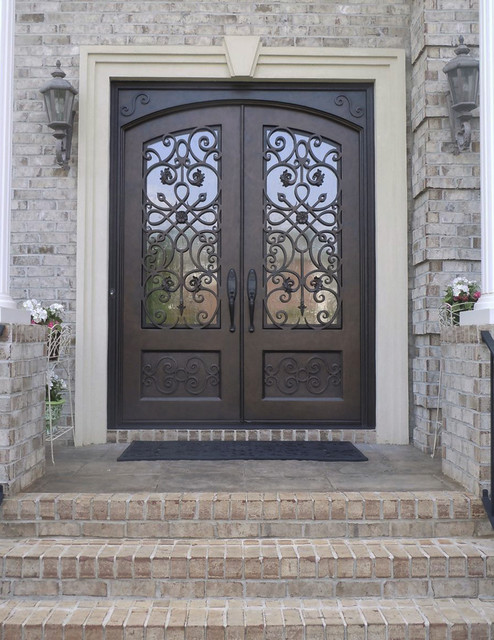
{"points": [[241, 269], [302, 338], [181, 237]]}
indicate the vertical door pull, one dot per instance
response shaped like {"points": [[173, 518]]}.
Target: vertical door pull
{"points": [[251, 295], [231, 287]]}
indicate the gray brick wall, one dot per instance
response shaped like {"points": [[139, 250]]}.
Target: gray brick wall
{"points": [[444, 203], [445, 208], [22, 404], [44, 207], [466, 406]]}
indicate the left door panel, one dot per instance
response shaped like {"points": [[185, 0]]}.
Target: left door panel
{"points": [[181, 237]]}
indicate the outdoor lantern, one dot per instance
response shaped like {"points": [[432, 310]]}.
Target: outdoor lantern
{"points": [[463, 78], [59, 97]]}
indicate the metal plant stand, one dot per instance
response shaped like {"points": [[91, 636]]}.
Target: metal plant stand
{"points": [[58, 354]]}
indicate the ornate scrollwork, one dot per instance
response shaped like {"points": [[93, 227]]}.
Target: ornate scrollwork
{"points": [[181, 229], [193, 377], [302, 229], [289, 376], [127, 111], [339, 101]]}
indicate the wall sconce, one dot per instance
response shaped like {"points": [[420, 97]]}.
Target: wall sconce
{"points": [[463, 78], [59, 97]]}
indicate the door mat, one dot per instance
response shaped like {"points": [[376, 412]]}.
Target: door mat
{"points": [[230, 450]]}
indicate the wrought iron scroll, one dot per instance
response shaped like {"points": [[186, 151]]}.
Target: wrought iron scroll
{"points": [[356, 112], [181, 375], [303, 374], [127, 111], [302, 230], [181, 229]]}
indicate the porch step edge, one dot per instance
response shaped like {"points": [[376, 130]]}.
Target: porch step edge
{"points": [[332, 620], [249, 568], [245, 515], [294, 505]]}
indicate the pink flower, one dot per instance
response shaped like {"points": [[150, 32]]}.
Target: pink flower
{"points": [[51, 324], [476, 295]]}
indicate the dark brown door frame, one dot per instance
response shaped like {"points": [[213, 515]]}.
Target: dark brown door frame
{"points": [[323, 99]]}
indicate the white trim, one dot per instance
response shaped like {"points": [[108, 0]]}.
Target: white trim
{"points": [[483, 312], [386, 68], [8, 308]]}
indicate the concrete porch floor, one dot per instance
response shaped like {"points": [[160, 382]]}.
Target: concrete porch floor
{"points": [[95, 469]]}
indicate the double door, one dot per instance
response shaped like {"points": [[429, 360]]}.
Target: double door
{"points": [[241, 268]]}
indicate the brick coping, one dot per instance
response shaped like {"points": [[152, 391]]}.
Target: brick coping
{"points": [[375, 505], [166, 617], [191, 434]]}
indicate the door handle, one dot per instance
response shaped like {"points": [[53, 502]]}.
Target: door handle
{"points": [[251, 296], [231, 288]]}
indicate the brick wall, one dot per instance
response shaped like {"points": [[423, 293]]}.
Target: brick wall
{"points": [[22, 406], [44, 215], [466, 407], [445, 210]]}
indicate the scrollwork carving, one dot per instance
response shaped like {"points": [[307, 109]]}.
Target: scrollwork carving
{"points": [[182, 186], [127, 111], [339, 101], [302, 230], [194, 376], [299, 375]]}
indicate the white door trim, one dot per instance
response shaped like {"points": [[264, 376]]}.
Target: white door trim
{"points": [[242, 58]]}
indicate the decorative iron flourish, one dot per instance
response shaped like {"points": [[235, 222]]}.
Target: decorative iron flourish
{"points": [[129, 111], [192, 378], [339, 101], [302, 230], [314, 376], [181, 229]]}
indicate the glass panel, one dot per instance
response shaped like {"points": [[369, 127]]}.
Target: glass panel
{"points": [[302, 230], [182, 198]]}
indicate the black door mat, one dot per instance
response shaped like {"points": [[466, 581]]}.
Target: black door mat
{"points": [[250, 450]]}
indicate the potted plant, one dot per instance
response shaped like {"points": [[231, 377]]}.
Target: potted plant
{"points": [[54, 400], [52, 317], [460, 296]]}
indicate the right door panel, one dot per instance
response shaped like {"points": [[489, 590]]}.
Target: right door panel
{"points": [[302, 332]]}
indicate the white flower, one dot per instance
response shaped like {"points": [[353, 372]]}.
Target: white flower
{"points": [[459, 289], [57, 308], [31, 305], [39, 314]]}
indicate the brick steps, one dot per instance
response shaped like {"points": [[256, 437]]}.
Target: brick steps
{"points": [[247, 568], [231, 619], [242, 566], [245, 515]]}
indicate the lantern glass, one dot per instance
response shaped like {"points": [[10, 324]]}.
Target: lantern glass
{"points": [[464, 82], [59, 104]]}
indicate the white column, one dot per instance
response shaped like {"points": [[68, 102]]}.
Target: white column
{"points": [[8, 308], [483, 312]]}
